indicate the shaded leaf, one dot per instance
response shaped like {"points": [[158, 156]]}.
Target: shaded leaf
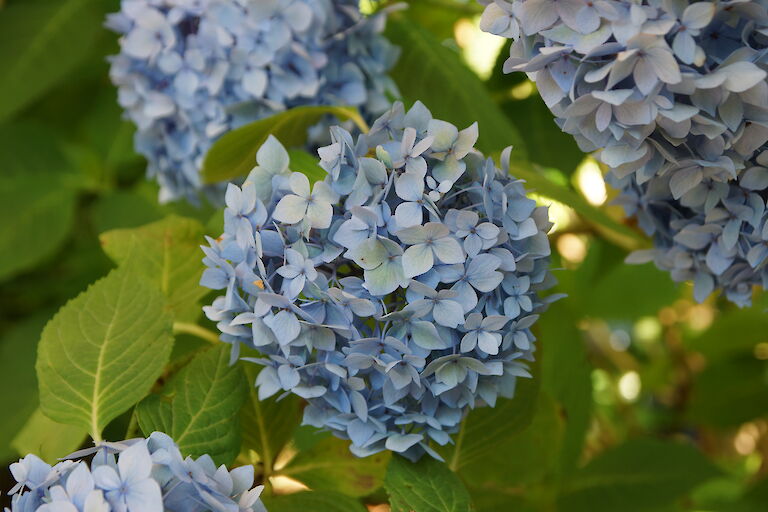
{"points": [[424, 486], [102, 351], [234, 154], [567, 377], [312, 501], [729, 392], [40, 42], [200, 407], [434, 74], [507, 418], [329, 465], [267, 425], [640, 475], [167, 252], [526, 456], [38, 192], [47, 439], [18, 348], [735, 332]]}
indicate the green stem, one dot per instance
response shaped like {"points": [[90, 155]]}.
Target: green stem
{"points": [[133, 426], [195, 330]]}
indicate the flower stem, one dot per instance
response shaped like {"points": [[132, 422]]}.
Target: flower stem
{"points": [[195, 330]]}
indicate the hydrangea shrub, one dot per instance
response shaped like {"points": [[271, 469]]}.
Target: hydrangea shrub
{"points": [[675, 95], [189, 71], [393, 295], [137, 475]]}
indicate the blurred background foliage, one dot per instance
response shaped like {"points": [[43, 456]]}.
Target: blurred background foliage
{"points": [[642, 399]]}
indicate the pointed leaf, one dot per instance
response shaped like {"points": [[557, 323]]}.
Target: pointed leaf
{"points": [[234, 154], [200, 407], [102, 351], [329, 465], [167, 252], [425, 486]]}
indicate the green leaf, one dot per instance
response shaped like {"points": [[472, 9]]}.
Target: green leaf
{"points": [[267, 424], [434, 74], [644, 288], [424, 486], [730, 392], [200, 406], [640, 475], [38, 191], [312, 501], [303, 162], [168, 253], [234, 154], [47, 439], [329, 465], [41, 41], [17, 372], [567, 377], [733, 333], [102, 351], [526, 456], [616, 231], [505, 419]]}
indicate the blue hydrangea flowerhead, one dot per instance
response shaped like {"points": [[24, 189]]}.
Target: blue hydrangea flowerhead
{"points": [[675, 94], [137, 475], [395, 294], [190, 70]]}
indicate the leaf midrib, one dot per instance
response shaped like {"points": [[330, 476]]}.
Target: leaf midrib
{"points": [[96, 396]]}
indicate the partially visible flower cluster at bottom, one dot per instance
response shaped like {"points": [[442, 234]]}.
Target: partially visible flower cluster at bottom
{"points": [[395, 294], [674, 93], [136, 475]]}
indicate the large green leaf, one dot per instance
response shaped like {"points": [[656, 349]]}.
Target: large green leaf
{"points": [[38, 189], [435, 75], [234, 154], [424, 486], [507, 418], [329, 465], [200, 406], [644, 291], [102, 351], [567, 377], [733, 333], [267, 424], [168, 253], [312, 501], [730, 392], [47, 439], [643, 475], [303, 162], [518, 458], [17, 372], [40, 42]]}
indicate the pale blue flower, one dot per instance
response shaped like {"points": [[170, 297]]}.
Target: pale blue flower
{"points": [[374, 284]]}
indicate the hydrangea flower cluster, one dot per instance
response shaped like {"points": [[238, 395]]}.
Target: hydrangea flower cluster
{"points": [[393, 295], [190, 70], [675, 94], [137, 475]]}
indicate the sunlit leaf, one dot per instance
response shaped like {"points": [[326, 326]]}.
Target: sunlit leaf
{"points": [[329, 465], [200, 407], [424, 486], [234, 154], [102, 351]]}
